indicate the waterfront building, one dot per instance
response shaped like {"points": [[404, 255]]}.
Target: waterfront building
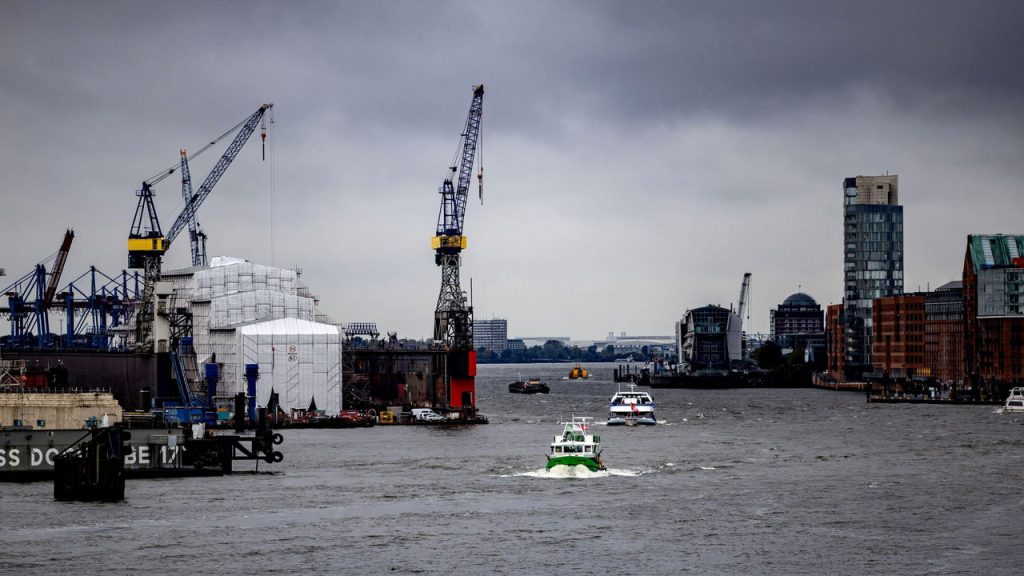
{"points": [[799, 322], [703, 337], [872, 259], [944, 333], [491, 334], [623, 345], [897, 335], [835, 346], [993, 290]]}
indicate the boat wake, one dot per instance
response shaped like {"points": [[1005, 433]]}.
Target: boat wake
{"points": [[578, 471]]}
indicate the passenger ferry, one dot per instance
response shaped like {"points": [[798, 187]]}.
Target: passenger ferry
{"points": [[631, 407], [576, 447]]}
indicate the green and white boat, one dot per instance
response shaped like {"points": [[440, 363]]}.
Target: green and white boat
{"points": [[576, 447]]}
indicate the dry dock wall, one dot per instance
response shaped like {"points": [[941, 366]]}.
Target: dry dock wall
{"points": [[57, 411]]}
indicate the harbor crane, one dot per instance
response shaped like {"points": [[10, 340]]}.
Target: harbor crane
{"points": [[195, 235], [453, 317], [146, 241], [744, 296], [27, 314]]}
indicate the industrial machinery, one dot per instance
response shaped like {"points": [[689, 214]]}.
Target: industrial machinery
{"points": [[28, 315], [195, 235], [736, 339], [147, 243], [453, 318]]}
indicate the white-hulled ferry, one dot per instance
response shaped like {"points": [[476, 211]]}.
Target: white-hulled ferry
{"points": [[631, 407]]}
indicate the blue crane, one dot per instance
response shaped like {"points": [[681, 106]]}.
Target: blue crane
{"points": [[195, 235]]}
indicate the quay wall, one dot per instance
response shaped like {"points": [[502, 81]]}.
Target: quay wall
{"points": [[57, 411]]}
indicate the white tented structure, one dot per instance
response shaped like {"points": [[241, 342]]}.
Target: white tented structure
{"points": [[245, 313]]}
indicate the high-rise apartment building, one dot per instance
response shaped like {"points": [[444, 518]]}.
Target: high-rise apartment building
{"points": [[872, 259], [491, 334]]}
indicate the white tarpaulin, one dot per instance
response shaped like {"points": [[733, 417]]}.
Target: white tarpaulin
{"points": [[245, 313]]}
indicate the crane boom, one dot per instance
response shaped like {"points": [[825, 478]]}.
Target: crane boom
{"points": [[744, 294], [218, 170], [58, 268], [454, 195]]}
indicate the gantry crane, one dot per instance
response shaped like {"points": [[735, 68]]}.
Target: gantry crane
{"points": [[453, 317], [147, 243], [26, 314]]}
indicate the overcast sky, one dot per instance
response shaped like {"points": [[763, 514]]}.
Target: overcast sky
{"points": [[639, 156]]}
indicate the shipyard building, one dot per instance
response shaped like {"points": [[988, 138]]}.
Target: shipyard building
{"points": [[245, 313]]}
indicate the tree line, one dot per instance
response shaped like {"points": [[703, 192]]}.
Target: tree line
{"points": [[555, 351]]}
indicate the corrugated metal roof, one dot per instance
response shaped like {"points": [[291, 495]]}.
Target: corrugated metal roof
{"points": [[995, 250], [288, 326]]}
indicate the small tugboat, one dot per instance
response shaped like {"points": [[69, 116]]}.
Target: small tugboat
{"points": [[630, 407], [531, 386], [578, 373], [575, 447], [1015, 401]]}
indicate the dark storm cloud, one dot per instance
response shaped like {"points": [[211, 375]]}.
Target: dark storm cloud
{"points": [[614, 132]]}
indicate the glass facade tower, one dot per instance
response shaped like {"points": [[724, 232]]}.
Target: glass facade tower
{"points": [[872, 259]]}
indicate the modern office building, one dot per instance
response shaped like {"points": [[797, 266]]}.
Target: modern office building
{"points": [[704, 339], [993, 288], [798, 322], [944, 333], [872, 259], [491, 334]]}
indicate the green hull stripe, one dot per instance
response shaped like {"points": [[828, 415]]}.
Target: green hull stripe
{"points": [[590, 463]]}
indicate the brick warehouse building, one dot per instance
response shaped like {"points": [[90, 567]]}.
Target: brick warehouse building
{"points": [[993, 289], [835, 342], [944, 333], [897, 336]]}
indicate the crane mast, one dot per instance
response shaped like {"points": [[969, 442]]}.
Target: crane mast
{"points": [[147, 243]]}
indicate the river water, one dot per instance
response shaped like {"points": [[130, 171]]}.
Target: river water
{"points": [[797, 481]]}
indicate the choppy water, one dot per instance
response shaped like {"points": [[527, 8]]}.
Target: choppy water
{"points": [[732, 482]]}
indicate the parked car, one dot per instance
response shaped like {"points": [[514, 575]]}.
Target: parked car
{"points": [[426, 415]]}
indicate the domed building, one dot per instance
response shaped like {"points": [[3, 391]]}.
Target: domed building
{"points": [[799, 322]]}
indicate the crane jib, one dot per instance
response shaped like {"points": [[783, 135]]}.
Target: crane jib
{"points": [[454, 197], [218, 171]]}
